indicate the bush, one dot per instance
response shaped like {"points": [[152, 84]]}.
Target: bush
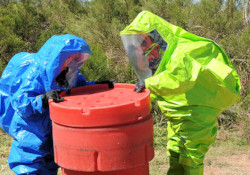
{"points": [[97, 67]]}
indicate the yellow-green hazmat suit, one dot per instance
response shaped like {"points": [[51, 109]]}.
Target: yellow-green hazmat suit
{"points": [[193, 83]]}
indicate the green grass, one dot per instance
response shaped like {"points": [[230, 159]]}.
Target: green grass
{"points": [[5, 142]]}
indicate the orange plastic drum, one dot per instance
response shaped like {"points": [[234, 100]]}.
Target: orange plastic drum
{"points": [[103, 131]]}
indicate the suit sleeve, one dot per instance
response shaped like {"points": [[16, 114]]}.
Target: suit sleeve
{"points": [[81, 81], [26, 100]]}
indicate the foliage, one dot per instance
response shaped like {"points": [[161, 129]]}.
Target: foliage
{"points": [[97, 67], [25, 25]]}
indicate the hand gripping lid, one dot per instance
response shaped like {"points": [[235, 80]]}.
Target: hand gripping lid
{"points": [[98, 105]]}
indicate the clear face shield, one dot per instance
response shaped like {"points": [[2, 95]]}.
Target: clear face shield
{"points": [[68, 76], [144, 52]]}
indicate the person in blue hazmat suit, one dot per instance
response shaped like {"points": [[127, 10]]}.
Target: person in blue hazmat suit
{"points": [[27, 83]]}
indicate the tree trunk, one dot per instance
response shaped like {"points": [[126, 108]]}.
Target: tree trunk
{"points": [[245, 13]]}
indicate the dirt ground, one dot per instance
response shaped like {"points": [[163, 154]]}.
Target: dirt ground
{"points": [[229, 165], [219, 161]]}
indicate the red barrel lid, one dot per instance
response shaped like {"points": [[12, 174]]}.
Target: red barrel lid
{"points": [[99, 105]]}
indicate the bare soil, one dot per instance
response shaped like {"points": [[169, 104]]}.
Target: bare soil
{"points": [[229, 165], [220, 160]]}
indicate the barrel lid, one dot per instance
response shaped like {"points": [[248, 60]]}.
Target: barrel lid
{"points": [[99, 105]]}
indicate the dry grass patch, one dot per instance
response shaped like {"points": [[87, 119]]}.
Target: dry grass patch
{"points": [[159, 165]]}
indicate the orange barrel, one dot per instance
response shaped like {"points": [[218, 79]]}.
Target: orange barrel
{"points": [[103, 131]]}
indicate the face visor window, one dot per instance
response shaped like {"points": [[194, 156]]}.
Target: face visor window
{"points": [[144, 52], [68, 76]]}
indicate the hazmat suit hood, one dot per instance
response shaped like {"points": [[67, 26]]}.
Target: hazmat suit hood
{"points": [[54, 53], [194, 82]]}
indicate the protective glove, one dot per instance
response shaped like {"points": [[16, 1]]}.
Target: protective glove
{"points": [[139, 86], [110, 83], [53, 94]]}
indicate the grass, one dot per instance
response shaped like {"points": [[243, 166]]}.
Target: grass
{"points": [[5, 142]]}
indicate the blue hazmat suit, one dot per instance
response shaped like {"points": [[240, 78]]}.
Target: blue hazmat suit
{"points": [[23, 82]]}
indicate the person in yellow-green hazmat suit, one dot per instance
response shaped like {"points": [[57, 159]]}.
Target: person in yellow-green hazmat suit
{"points": [[192, 80]]}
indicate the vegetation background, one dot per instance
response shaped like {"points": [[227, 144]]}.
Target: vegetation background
{"points": [[25, 25]]}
